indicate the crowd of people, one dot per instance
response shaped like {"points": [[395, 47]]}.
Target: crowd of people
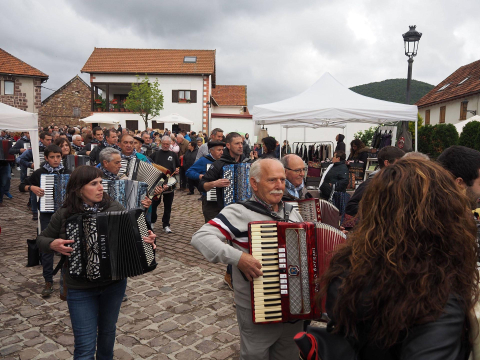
{"points": [[403, 286]]}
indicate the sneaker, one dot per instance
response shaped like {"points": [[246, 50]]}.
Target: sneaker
{"points": [[48, 289], [228, 280], [9, 196], [167, 229]]}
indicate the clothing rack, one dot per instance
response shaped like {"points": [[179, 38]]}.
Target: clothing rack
{"points": [[315, 142]]}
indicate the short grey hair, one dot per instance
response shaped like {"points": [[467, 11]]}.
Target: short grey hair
{"points": [[286, 159], [107, 154], [256, 168], [75, 137], [416, 155], [166, 137]]}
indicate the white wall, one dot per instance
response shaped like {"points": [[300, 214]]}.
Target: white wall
{"points": [[452, 110], [237, 125], [227, 110], [167, 84]]}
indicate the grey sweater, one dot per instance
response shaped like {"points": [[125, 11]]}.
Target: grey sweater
{"points": [[232, 224]]}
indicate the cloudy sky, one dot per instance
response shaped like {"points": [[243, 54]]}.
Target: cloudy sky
{"points": [[277, 48]]}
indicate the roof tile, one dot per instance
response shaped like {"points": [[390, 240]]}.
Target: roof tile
{"points": [[9, 64], [456, 88], [230, 95]]}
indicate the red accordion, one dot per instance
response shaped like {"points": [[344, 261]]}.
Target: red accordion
{"points": [[6, 145], [293, 257], [317, 210]]}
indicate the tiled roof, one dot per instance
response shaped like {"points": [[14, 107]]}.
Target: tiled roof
{"points": [[9, 64], [230, 95], [149, 61], [458, 87]]}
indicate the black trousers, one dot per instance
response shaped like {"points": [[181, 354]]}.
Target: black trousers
{"points": [[167, 208], [46, 258], [183, 178], [192, 184]]}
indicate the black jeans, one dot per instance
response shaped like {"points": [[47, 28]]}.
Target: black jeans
{"points": [[46, 258], [167, 208], [192, 184], [183, 178]]}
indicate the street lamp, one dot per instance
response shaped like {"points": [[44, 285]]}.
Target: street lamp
{"points": [[411, 39]]}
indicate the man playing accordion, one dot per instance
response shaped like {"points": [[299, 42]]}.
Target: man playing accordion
{"points": [[265, 341]]}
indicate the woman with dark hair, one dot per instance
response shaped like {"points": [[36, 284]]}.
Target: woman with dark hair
{"points": [[405, 282], [358, 151], [268, 145], [65, 146], [93, 306], [188, 161]]}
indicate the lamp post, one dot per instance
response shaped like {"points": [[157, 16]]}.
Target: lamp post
{"points": [[411, 39]]}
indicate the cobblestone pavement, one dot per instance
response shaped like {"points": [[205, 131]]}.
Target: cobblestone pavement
{"points": [[181, 310]]}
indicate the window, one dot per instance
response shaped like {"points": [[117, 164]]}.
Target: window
{"points": [[76, 112], [184, 96], [461, 82], [190, 59], [9, 88], [442, 114], [427, 117], [444, 87], [463, 110]]}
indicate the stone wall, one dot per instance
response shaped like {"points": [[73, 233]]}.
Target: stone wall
{"points": [[58, 109], [19, 99]]}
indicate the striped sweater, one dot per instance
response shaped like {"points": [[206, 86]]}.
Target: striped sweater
{"points": [[231, 224]]}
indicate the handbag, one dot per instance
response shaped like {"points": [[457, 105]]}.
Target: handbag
{"points": [[318, 343], [33, 253]]}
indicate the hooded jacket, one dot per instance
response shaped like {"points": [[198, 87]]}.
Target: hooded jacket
{"points": [[340, 144]]}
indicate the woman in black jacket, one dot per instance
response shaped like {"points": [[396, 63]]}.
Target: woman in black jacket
{"points": [[405, 282], [188, 161], [93, 306]]}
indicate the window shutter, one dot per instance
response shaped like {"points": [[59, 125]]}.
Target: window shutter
{"points": [[193, 96], [175, 96], [463, 110], [442, 114], [427, 117]]}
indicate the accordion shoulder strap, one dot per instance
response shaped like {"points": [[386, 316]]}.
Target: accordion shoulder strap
{"points": [[255, 206]]}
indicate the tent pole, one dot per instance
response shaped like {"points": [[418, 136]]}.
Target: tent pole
{"points": [[416, 135], [280, 142], [304, 134]]}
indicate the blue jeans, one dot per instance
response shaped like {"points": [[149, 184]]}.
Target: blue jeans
{"points": [[33, 203], [47, 258], [91, 311]]}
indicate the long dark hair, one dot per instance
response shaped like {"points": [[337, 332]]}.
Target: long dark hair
{"points": [[80, 177], [415, 246], [59, 142]]}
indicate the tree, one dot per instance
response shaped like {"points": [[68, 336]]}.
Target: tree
{"points": [[145, 99], [470, 135], [365, 136]]}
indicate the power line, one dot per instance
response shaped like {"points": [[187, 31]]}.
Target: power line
{"points": [[48, 88]]}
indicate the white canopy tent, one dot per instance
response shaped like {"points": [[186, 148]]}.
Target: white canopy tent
{"points": [[100, 119], [461, 124], [13, 119], [327, 103], [175, 119]]}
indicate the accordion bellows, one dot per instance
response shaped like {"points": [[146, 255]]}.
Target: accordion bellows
{"points": [[55, 187], [109, 246], [239, 189], [129, 193]]}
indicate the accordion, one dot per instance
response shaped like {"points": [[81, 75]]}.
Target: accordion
{"points": [[109, 246], [136, 169], [73, 161], [55, 190], [317, 210], [239, 189], [129, 193], [212, 193], [293, 257], [6, 146]]}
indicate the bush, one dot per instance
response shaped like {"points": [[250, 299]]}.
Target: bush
{"points": [[366, 136], [432, 140], [425, 139], [470, 135]]}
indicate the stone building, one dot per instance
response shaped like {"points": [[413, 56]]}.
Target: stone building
{"points": [[20, 83], [67, 105]]}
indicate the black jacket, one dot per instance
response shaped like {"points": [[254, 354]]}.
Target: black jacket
{"points": [[167, 159], [15, 149], [189, 158], [216, 172], [444, 338], [95, 154], [340, 144], [354, 202], [338, 176], [88, 147]]}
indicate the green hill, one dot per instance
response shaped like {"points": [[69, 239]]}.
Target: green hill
{"points": [[394, 90]]}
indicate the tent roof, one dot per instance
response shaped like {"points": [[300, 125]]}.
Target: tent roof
{"points": [[174, 119], [14, 119], [459, 126], [101, 119], [328, 103]]}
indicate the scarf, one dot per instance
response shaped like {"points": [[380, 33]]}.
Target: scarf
{"points": [[25, 139], [51, 170], [133, 155], [115, 146], [108, 175], [41, 147], [268, 206], [92, 209], [76, 147], [292, 190]]}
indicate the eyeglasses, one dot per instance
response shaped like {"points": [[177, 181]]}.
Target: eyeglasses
{"points": [[298, 171]]}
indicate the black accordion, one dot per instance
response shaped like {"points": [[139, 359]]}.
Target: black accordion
{"points": [[55, 188], [73, 161], [109, 246], [136, 169]]}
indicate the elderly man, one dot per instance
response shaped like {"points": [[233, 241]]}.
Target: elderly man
{"points": [[129, 151], [215, 135], [147, 144], [77, 143], [264, 341], [168, 159], [295, 172], [111, 140]]}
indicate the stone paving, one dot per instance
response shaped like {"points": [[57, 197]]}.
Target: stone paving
{"points": [[181, 310]]}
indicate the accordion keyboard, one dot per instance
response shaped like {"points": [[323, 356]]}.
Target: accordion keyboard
{"points": [[267, 288], [47, 183], [212, 193]]}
